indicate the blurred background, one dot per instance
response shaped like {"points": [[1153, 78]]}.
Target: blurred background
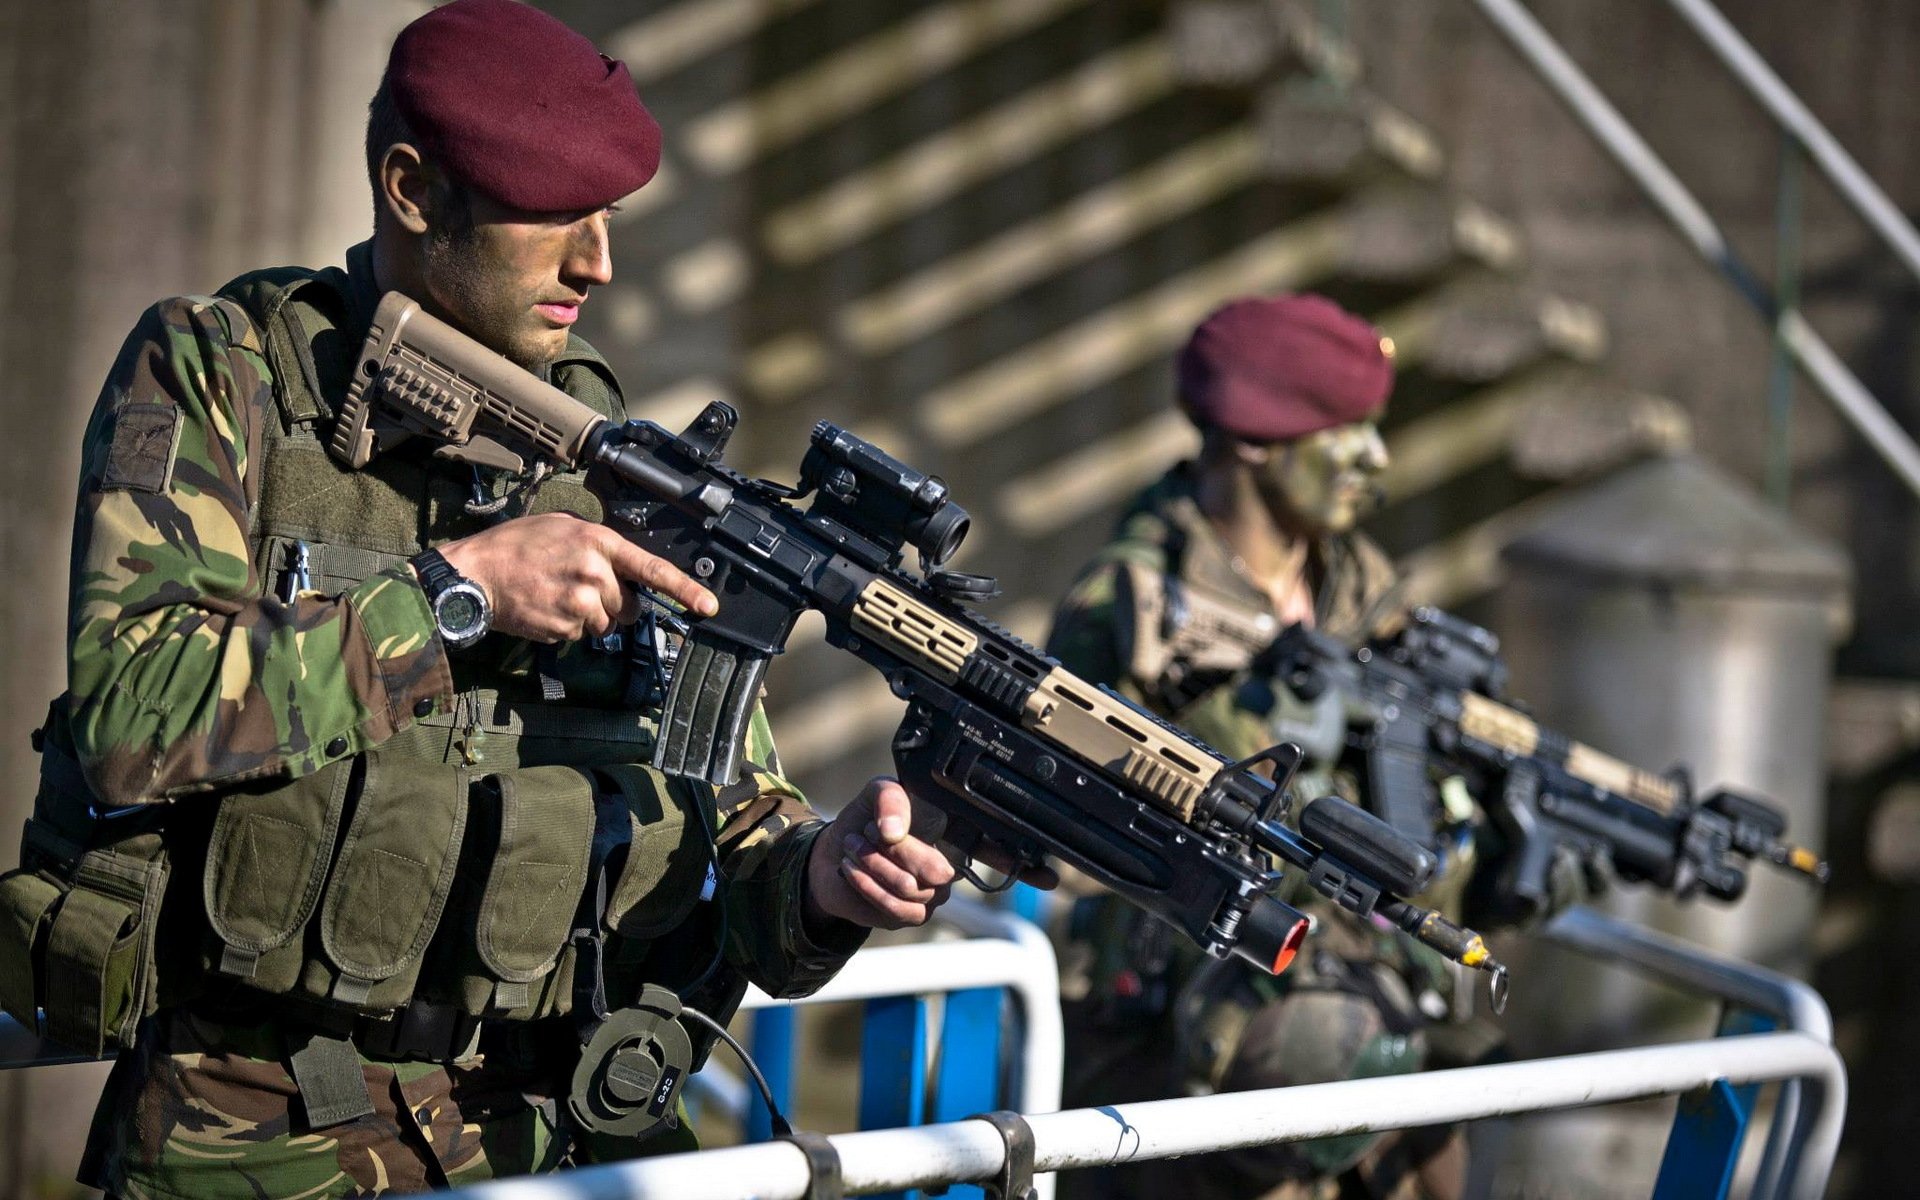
{"points": [[976, 230]]}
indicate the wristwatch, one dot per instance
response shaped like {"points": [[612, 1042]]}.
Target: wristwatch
{"points": [[460, 609]]}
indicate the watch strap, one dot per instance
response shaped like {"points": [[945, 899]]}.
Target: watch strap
{"points": [[435, 572]]}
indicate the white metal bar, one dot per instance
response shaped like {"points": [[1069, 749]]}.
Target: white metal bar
{"points": [[1791, 1001], [969, 1150], [1663, 187], [1786, 108]]}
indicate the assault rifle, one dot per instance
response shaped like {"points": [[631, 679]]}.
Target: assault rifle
{"points": [[1428, 701], [1009, 747]]}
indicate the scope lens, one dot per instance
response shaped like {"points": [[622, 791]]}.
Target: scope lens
{"points": [[944, 530]]}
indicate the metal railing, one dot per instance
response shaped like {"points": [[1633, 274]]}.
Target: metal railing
{"points": [[1804, 136], [1002, 952], [1006, 952], [1785, 1169], [1798, 1157], [933, 1155]]}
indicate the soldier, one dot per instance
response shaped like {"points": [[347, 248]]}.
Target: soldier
{"points": [[343, 831], [1209, 564]]}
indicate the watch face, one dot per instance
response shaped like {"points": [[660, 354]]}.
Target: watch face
{"points": [[460, 611]]}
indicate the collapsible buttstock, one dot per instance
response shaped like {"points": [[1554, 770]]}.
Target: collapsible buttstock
{"points": [[704, 725]]}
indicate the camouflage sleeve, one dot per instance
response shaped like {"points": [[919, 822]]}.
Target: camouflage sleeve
{"points": [[1089, 636], [766, 832], [182, 676]]}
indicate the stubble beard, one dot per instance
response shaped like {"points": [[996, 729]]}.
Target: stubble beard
{"points": [[472, 299]]}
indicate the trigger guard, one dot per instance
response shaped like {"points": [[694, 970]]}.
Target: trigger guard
{"points": [[961, 856], [972, 876]]}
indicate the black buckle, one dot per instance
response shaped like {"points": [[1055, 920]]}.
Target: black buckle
{"points": [[823, 1165], [423, 1031], [1015, 1181]]}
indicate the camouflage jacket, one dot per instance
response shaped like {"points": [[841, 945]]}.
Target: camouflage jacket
{"points": [[190, 676], [186, 676], [1167, 567]]}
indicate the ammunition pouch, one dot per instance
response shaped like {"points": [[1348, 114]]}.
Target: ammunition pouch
{"points": [[289, 912], [479, 877], [391, 898], [76, 941]]}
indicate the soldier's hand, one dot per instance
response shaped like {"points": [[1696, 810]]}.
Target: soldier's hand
{"points": [[555, 577], [869, 867], [879, 863]]}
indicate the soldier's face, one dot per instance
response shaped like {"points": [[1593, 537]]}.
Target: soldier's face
{"points": [[515, 280], [1324, 482]]}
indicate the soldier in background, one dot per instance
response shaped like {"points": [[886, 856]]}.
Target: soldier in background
{"points": [[343, 819], [1209, 564]]}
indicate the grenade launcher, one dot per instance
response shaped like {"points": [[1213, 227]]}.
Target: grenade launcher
{"points": [[1007, 746]]}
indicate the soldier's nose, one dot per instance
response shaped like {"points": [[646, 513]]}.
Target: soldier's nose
{"points": [[590, 258]]}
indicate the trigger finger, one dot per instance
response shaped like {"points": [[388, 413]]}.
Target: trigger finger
{"points": [[998, 857]]}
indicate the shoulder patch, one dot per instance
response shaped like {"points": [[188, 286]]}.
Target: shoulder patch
{"points": [[145, 436]]}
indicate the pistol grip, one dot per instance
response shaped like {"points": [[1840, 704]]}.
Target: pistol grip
{"points": [[1525, 881], [704, 724]]}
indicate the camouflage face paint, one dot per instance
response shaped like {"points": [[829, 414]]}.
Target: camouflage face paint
{"points": [[1325, 482]]}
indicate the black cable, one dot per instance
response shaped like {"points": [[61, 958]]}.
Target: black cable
{"points": [[780, 1125], [718, 901]]}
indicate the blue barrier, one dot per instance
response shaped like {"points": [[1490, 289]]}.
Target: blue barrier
{"points": [[1710, 1126], [773, 1051], [894, 1089]]}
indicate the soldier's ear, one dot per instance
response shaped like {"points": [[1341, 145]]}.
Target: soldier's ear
{"points": [[406, 187], [1253, 454]]}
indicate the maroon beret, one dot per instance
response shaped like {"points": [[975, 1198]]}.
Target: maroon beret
{"points": [[514, 103], [1270, 369]]}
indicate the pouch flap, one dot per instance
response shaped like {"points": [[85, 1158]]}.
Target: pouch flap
{"points": [[668, 859], [267, 859], [394, 869], [546, 838]]}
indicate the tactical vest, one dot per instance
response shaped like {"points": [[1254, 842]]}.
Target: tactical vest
{"points": [[445, 866]]}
